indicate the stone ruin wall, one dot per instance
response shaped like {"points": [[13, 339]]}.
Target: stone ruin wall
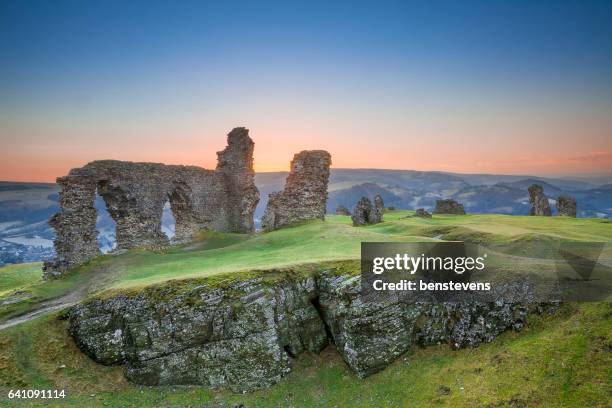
{"points": [[305, 194], [539, 201], [366, 213], [566, 206], [135, 194]]}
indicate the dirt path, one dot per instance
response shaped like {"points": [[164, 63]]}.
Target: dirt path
{"points": [[45, 307], [99, 280]]}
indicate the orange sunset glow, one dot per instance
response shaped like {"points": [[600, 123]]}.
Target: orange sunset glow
{"points": [[400, 94]]}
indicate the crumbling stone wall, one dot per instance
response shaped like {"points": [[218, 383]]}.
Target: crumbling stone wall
{"points": [[365, 213], [135, 194], [305, 194], [539, 201], [566, 206], [449, 207]]}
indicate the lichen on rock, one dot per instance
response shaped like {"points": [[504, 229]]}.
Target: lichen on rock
{"points": [[243, 335]]}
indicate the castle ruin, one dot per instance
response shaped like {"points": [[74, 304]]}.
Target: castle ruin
{"points": [[305, 194], [223, 199], [366, 213]]}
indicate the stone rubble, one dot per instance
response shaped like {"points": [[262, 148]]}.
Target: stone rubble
{"points": [[421, 212]]}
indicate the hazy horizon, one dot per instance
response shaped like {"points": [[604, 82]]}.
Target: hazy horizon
{"points": [[486, 87], [575, 177]]}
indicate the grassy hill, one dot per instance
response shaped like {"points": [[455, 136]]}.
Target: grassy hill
{"points": [[310, 242], [556, 361], [561, 360]]}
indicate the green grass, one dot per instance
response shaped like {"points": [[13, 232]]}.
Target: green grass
{"points": [[14, 277], [557, 361], [337, 239], [310, 242], [23, 289]]}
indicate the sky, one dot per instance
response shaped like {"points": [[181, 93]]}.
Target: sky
{"points": [[509, 87]]}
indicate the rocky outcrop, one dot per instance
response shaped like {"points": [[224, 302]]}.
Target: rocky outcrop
{"points": [[449, 207], [243, 335], [239, 336], [365, 213], [539, 201], [342, 210], [371, 332], [135, 194], [423, 213], [305, 194], [566, 206]]}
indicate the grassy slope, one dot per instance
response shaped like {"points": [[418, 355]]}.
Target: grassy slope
{"points": [[310, 242], [337, 239], [557, 361], [13, 277]]}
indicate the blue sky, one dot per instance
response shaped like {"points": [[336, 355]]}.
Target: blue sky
{"points": [[137, 80]]}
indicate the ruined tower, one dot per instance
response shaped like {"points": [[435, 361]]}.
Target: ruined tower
{"points": [[305, 194]]}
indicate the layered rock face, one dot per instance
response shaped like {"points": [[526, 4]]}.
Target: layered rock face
{"points": [[239, 337], [243, 336], [421, 212], [449, 207], [135, 194], [342, 210], [566, 206], [539, 201], [365, 213], [305, 194]]}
